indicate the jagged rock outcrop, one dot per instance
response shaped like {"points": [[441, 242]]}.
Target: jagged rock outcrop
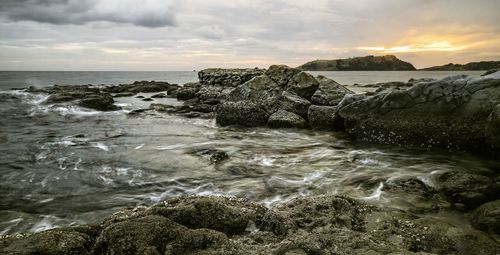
{"points": [[220, 225], [228, 77], [458, 112], [283, 89], [329, 92]]}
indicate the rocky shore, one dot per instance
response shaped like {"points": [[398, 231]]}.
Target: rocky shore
{"points": [[220, 225], [455, 113]]}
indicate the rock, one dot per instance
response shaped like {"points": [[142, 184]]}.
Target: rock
{"points": [[56, 241], [161, 107], [412, 82], [452, 113], [487, 217], [219, 225], [243, 113], [468, 189], [185, 93], [159, 95], [101, 102], [154, 234], [284, 119], [281, 74], [229, 216], [137, 111], [209, 93], [205, 108], [65, 97], [139, 97], [303, 84], [125, 94], [295, 104], [218, 157], [147, 99], [260, 90], [227, 77], [491, 71], [414, 194], [141, 87], [329, 92], [325, 118]]}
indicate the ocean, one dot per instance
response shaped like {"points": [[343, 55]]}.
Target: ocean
{"points": [[20, 79], [64, 165]]}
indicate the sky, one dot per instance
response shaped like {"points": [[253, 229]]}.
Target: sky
{"points": [[158, 35]]}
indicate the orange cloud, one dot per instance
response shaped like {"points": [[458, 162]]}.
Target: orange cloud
{"points": [[433, 46]]}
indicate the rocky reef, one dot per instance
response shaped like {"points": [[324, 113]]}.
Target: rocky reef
{"points": [[455, 113], [368, 63], [220, 225]]}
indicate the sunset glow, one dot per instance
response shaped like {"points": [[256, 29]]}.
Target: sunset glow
{"points": [[435, 46]]}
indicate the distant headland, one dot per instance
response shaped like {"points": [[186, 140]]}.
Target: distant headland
{"points": [[389, 63]]}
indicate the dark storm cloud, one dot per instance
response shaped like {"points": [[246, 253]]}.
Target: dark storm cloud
{"points": [[148, 13]]}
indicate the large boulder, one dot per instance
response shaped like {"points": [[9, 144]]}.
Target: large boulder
{"points": [[469, 189], [188, 91], [303, 84], [56, 241], [281, 74], [487, 217], [457, 112], [245, 113], [101, 102], [293, 103], [260, 90], [228, 77], [329, 92], [325, 118], [284, 119]]}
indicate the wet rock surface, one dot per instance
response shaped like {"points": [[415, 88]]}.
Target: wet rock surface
{"points": [[228, 77], [456, 113], [220, 225], [469, 190]]}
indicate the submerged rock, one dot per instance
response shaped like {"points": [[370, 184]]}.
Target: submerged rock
{"points": [[101, 102], [487, 217], [469, 190]]}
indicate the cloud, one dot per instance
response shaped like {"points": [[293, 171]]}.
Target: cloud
{"points": [[145, 13], [194, 34]]}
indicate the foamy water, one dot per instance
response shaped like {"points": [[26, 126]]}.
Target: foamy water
{"points": [[64, 165]]}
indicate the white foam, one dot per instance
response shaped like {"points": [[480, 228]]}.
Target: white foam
{"points": [[100, 146], [48, 222], [140, 146], [376, 194]]}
